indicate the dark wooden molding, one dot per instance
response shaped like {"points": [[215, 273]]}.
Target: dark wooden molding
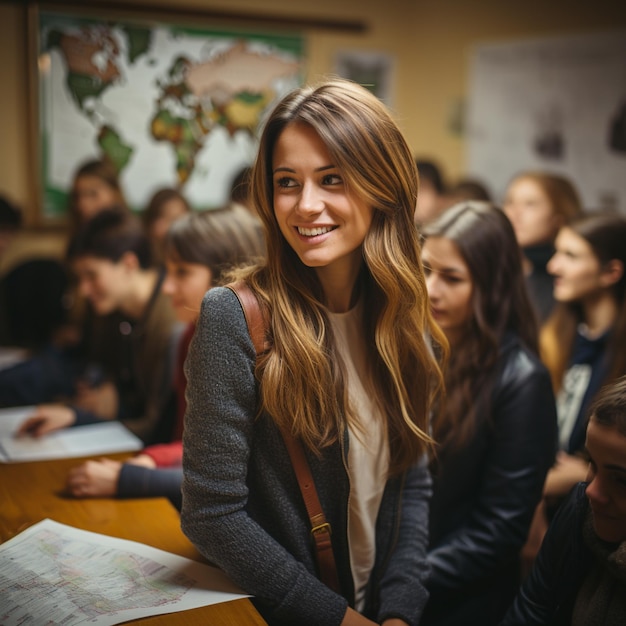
{"points": [[191, 14]]}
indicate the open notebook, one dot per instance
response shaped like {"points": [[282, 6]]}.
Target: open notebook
{"points": [[94, 439]]}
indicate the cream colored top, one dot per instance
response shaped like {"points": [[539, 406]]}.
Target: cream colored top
{"points": [[368, 452]]}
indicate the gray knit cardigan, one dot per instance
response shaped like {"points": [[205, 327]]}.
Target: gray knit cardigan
{"points": [[242, 506]]}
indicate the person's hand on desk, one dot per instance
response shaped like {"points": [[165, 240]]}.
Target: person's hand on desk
{"points": [[94, 478], [100, 478], [46, 419]]}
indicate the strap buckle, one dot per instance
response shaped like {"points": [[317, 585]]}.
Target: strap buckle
{"points": [[321, 528]]}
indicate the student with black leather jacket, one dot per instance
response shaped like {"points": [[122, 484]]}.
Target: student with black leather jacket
{"points": [[497, 433]]}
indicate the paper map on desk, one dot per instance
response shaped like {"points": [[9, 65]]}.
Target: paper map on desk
{"points": [[57, 574], [89, 440]]}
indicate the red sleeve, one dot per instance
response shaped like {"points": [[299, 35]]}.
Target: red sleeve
{"points": [[171, 454], [166, 454]]}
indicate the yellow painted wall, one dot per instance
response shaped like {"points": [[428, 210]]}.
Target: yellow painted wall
{"points": [[430, 39]]}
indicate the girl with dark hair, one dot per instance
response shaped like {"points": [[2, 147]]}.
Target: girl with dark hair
{"points": [[496, 434], [349, 371]]}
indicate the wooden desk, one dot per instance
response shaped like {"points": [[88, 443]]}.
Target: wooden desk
{"points": [[31, 492]]}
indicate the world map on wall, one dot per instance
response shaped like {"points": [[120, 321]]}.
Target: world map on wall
{"points": [[168, 106]]}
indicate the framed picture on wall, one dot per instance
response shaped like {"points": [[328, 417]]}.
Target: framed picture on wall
{"points": [[168, 104]]}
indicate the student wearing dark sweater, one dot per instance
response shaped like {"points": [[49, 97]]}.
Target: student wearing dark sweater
{"points": [[199, 247], [132, 337]]}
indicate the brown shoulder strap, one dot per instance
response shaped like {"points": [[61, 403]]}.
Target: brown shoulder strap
{"points": [[252, 313], [320, 528]]}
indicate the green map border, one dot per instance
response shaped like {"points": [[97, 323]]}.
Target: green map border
{"points": [[55, 200]]}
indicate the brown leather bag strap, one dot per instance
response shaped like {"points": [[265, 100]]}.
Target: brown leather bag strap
{"points": [[320, 528], [252, 312]]}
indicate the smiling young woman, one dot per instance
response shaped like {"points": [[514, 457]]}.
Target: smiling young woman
{"points": [[350, 372], [318, 216]]}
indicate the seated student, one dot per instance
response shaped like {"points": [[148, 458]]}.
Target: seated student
{"points": [[497, 432], [95, 187], [134, 337], [199, 247], [582, 343], [579, 576], [165, 206], [538, 204]]}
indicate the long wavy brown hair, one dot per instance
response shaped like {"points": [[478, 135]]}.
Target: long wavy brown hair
{"points": [[500, 303], [302, 381]]}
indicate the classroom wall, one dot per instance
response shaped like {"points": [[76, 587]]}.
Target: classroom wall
{"points": [[447, 30], [431, 42]]}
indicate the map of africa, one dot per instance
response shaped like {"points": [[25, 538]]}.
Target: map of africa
{"points": [[168, 106]]}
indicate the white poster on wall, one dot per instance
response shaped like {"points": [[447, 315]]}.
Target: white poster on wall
{"points": [[556, 105]]}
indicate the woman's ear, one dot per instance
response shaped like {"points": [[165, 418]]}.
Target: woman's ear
{"points": [[612, 273]]}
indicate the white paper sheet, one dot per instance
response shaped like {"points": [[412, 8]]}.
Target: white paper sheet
{"points": [[93, 439], [56, 574]]}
